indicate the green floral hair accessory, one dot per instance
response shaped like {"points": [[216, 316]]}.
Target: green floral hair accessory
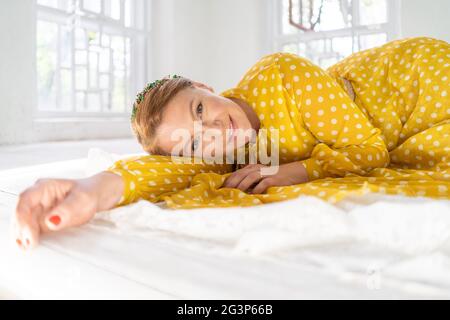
{"points": [[141, 95]]}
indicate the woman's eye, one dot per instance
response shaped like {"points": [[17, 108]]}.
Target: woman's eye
{"points": [[194, 144], [199, 109]]}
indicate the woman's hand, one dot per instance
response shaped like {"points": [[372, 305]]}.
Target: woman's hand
{"points": [[56, 204], [252, 179]]}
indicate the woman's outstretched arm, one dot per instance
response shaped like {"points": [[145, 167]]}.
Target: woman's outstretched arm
{"points": [[57, 204]]}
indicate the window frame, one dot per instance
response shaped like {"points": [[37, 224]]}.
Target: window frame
{"points": [[140, 43], [391, 28]]}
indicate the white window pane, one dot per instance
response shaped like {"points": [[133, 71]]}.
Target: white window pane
{"points": [[119, 93], [372, 40], [87, 65], [65, 102], [128, 13], [315, 50], [114, 6], [46, 56], [128, 52], [336, 14], [93, 70], [286, 27], [328, 62], [93, 102], [117, 45], [80, 101], [106, 100], [291, 48], [64, 5], [65, 43], [104, 63], [80, 38], [92, 5], [81, 78], [343, 47], [93, 38], [372, 12], [48, 3], [105, 40], [104, 81], [81, 57]]}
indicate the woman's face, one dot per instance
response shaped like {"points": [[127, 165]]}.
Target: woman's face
{"points": [[198, 120]]}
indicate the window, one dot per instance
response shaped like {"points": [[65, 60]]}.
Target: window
{"points": [[334, 28], [91, 56]]}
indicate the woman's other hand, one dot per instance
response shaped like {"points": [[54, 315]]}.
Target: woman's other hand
{"points": [[254, 180]]}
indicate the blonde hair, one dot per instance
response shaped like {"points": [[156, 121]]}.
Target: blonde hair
{"points": [[149, 111]]}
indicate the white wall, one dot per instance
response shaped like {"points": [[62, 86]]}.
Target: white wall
{"points": [[214, 41], [17, 93], [426, 18]]}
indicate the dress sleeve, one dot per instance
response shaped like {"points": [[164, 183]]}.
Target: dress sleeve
{"points": [[151, 177], [347, 141]]}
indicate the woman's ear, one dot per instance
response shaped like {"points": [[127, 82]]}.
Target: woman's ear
{"points": [[202, 85]]}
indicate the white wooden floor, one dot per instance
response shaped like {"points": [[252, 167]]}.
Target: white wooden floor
{"points": [[15, 156]]}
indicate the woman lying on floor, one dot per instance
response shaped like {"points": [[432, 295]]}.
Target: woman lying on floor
{"points": [[378, 121]]}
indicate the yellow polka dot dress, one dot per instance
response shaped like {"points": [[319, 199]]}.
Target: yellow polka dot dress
{"points": [[378, 121]]}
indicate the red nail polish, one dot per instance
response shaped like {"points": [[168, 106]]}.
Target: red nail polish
{"points": [[19, 242], [28, 242], [56, 220]]}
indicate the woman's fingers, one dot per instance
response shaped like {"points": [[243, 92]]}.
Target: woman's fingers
{"points": [[32, 205], [26, 228], [252, 178], [263, 185], [236, 177], [27, 211]]}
